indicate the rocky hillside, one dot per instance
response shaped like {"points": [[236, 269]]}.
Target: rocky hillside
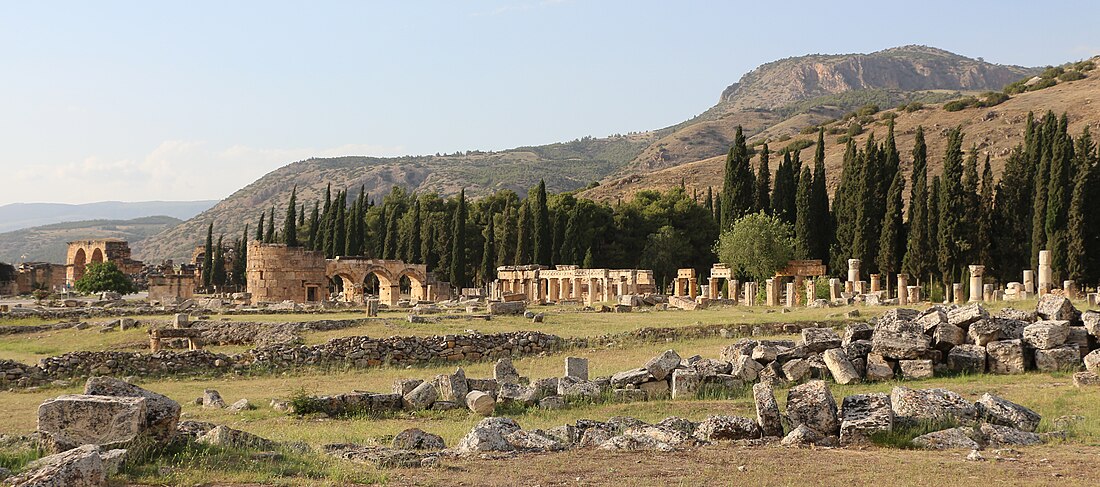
{"points": [[778, 97], [994, 130], [47, 243]]}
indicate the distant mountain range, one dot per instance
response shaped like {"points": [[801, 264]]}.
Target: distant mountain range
{"points": [[26, 215], [47, 243]]}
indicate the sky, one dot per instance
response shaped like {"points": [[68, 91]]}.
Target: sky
{"points": [[137, 101]]}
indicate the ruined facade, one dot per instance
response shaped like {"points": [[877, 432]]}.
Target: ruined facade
{"points": [[277, 273], [39, 275], [171, 287], [84, 252], [570, 283]]}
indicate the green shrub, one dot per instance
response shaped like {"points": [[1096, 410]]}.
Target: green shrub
{"points": [[889, 115], [843, 139], [799, 145], [868, 109], [1052, 72], [812, 129], [1043, 83], [992, 98], [834, 130], [1073, 75], [303, 403], [914, 106], [854, 129], [962, 103], [1016, 87], [1084, 66]]}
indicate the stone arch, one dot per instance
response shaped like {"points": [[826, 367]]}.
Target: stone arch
{"points": [[97, 256], [418, 282], [80, 260]]}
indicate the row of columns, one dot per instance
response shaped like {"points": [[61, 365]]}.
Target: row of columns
{"points": [[588, 289]]}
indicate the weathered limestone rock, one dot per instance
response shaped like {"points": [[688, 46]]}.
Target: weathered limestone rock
{"points": [[1005, 357], [840, 367], [507, 308], [72, 420], [1086, 379], [517, 393], [818, 340], [963, 316], [445, 406], [900, 343], [802, 435], [1066, 357], [405, 386], [857, 349], [161, 413], [711, 367], [742, 347], [488, 435], [716, 428], [878, 368], [946, 336], [212, 399], [1001, 436], [863, 415], [504, 371], [552, 403], [916, 369], [480, 403], [813, 405], [745, 368], [549, 386], [772, 374], [948, 439], [421, 397], [453, 387], [654, 388], [417, 439], [1091, 319], [634, 442], [241, 405], [913, 406], [662, 365], [1056, 307], [767, 410], [571, 387], [630, 377], [764, 353], [982, 332], [226, 436], [930, 319], [532, 441], [1092, 361], [967, 359], [857, 331], [576, 367], [668, 436], [488, 386], [796, 370], [81, 466], [685, 383], [1045, 335], [1079, 337], [1006, 413]]}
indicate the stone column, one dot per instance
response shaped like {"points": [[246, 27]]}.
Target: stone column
{"points": [[771, 290], [733, 289], [914, 294], [577, 289], [1046, 274], [987, 293], [798, 283], [750, 293], [678, 287], [712, 287], [903, 289], [563, 289], [592, 290], [853, 271], [876, 283], [552, 292], [1029, 282], [693, 288], [608, 292], [834, 289], [791, 295], [976, 272], [957, 293], [1069, 287]]}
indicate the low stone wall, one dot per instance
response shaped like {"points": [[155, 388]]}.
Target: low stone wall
{"points": [[354, 352]]}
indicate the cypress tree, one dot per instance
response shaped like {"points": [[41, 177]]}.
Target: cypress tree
{"points": [[301, 216], [339, 228], [488, 253], [389, 248], [458, 243], [414, 235], [541, 239], [208, 258], [804, 226], [821, 217], [506, 241], [918, 252], [970, 218], [954, 241], [763, 182], [1077, 230], [985, 217], [240, 266], [783, 202], [1059, 192], [557, 228], [709, 202], [324, 233], [1041, 152], [313, 224], [846, 207], [933, 225], [269, 233], [218, 277], [431, 237], [739, 187], [866, 231], [572, 241], [290, 230], [523, 236], [892, 239], [589, 259], [260, 227]]}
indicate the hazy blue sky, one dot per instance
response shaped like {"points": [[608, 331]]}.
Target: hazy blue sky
{"points": [[192, 100]]}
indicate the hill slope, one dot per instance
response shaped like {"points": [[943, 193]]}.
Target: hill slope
{"points": [[778, 96], [47, 243], [26, 215]]}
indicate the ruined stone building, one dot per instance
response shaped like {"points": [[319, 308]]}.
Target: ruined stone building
{"points": [[198, 256], [39, 275], [84, 252], [277, 273], [563, 283]]}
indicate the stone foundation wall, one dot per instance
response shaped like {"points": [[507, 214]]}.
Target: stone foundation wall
{"points": [[171, 288], [278, 273]]}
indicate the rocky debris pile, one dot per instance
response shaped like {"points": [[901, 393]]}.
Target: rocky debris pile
{"points": [[83, 466], [266, 334]]}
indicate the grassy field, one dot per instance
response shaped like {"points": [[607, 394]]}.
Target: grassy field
{"points": [[1052, 395]]}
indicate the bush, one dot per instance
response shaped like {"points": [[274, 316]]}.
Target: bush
{"points": [[843, 139], [868, 109], [1052, 72], [1043, 83], [104, 276], [913, 107], [812, 129], [956, 105], [1071, 76], [834, 130], [854, 129], [886, 116], [799, 145], [1016, 87], [1084, 66], [757, 246], [992, 98]]}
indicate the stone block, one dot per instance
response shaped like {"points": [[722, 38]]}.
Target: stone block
{"points": [[662, 365], [796, 370], [630, 377], [963, 316], [1005, 357], [946, 336], [864, 415], [576, 367], [767, 410], [913, 406], [161, 413], [480, 403], [878, 368], [967, 359], [1056, 307], [916, 369], [813, 405], [72, 420], [818, 340], [1046, 334], [685, 383], [1086, 379], [1066, 357], [421, 397], [840, 367], [654, 389], [1001, 411]]}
